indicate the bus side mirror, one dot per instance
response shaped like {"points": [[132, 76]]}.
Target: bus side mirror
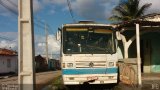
{"points": [[58, 34], [118, 35]]}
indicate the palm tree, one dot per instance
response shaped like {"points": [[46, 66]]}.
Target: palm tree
{"points": [[128, 10]]}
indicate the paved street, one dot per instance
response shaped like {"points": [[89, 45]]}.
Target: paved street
{"points": [[42, 79]]}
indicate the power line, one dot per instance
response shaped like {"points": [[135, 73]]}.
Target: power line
{"points": [[10, 9], [70, 10], [14, 12], [37, 19], [12, 3], [49, 28], [39, 24]]}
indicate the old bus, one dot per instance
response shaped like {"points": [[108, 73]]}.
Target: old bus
{"points": [[88, 53]]}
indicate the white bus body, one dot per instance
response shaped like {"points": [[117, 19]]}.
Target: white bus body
{"points": [[88, 54]]}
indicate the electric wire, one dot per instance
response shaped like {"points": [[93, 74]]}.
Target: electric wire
{"points": [[16, 13], [8, 8], [40, 24], [12, 3], [71, 11]]}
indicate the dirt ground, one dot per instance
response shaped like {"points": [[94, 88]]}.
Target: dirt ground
{"points": [[42, 79], [146, 85]]}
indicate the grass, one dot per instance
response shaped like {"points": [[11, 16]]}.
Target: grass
{"points": [[57, 84]]}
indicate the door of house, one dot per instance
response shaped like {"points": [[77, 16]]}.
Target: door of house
{"points": [[146, 55]]}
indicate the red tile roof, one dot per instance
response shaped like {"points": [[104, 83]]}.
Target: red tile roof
{"points": [[7, 52]]}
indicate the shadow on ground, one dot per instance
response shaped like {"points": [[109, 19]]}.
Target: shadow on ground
{"points": [[57, 85]]}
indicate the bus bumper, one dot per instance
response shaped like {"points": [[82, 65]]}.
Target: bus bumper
{"points": [[90, 79]]}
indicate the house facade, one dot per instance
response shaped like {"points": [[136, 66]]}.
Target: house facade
{"points": [[53, 64], [150, 46], [139, 44], [8, 61], [149, 42], [40, 63]]}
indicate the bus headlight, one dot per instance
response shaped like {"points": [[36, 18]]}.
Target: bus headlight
{"points": [[111, 64], [69, 65]]}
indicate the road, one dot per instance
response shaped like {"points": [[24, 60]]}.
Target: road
{"points": [[42, 79]]}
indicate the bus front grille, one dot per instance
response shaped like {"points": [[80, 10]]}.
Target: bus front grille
{"points": [[90, 64]]}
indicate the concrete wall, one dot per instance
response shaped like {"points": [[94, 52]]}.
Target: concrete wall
{"points": [[128, 71], [13, 66]]}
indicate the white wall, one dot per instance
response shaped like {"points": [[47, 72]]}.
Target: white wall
{"points": [[3, 64]]}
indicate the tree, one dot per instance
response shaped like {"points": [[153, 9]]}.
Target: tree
{"points": [[128, 9]]}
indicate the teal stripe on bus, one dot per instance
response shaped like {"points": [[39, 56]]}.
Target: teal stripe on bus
{"points": [[90, 71]]}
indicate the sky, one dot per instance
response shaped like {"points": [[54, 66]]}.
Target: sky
{"points": [[55, 13]]}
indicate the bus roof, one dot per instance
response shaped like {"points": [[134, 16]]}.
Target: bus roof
{"points": [[89, 24]]}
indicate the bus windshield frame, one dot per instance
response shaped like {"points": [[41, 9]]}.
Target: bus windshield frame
{"points": [[89, 40]]}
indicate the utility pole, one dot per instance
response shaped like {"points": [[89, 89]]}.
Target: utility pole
{"points": [[51, 54], [26, 63], [46, 31]]}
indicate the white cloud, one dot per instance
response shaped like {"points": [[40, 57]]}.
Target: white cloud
{"points": [[53, 4], [11, 41], [88, 9], [8, 44], [37, 5], [97, 9], [102, 9], [154, 7], [94, 9], [56, 2], [53, 44], [40, 46]]}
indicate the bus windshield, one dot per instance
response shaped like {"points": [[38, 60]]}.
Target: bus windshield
{"points": [[88, 41]]}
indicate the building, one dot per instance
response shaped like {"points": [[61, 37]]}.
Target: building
{"points": [[40, 63], [53, 64], [139, 43], [8, 61]]}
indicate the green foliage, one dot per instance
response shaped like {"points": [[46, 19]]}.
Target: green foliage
{"points": [[58, 84], [128, 9]]}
